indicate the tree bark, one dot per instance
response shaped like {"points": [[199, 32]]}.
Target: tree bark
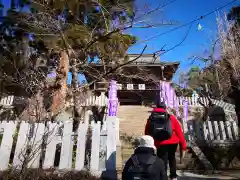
{"points": [[59, 95], [76, 110]]}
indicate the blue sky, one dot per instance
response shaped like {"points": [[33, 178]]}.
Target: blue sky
{"points": [[180, 12]]}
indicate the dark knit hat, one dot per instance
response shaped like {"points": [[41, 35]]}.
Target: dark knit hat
{"points": [[161, 104]]}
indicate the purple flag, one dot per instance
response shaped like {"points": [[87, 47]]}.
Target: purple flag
{"points": [[185, 110], [167, 92], [164, 94], [112, 94], [112, 107], [175, 102], [177, 111], [112, 99], [161, 93], [171, 96]]}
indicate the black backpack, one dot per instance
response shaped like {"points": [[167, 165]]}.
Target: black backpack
{"points": [[160, 126], [141, 171]]}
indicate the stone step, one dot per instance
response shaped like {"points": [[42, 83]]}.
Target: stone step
{"points": [[133, 119]]}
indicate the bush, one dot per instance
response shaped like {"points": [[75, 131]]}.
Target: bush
{"points": [[46, 175]]}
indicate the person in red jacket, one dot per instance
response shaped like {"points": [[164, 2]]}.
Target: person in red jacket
{"points": [[166, 149]]}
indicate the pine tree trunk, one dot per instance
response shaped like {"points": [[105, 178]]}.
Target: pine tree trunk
{"points": [[76, 111], [59, 95], [74, 75], [74, 83]]}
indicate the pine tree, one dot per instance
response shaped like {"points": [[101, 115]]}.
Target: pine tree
{"points": [[75, 30]]}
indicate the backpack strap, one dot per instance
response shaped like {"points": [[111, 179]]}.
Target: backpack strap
{"points": [[135, 160], [151, 160]]}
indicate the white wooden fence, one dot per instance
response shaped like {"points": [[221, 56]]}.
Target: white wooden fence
{"points": [[194, 102], [213, 132], [6, 101], [91, 100], [103, 144], [102, 100], [210, 133]]}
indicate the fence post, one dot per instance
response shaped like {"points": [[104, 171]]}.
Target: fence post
{"points": [[36, 143], [6, 145], [94, 164], [112, 124], [21, 146], [81, 146], [103, 146], [67, 146], [52, 141], [7, 101]]}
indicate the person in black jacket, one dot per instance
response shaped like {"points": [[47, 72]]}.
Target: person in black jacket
{"points": [[144, 164]]}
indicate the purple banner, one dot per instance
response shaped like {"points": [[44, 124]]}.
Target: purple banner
{"points": [[167, 91], [175, 102], [171, 96], [112, 110], [112, 94], [177, 110], [112, 99], [185, 110], [163, 92]]}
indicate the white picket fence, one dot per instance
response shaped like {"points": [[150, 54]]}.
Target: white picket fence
{"points": [[194, 102], [92, 100], [6, 101], [102, 100], [213, 132], [103, 144]]}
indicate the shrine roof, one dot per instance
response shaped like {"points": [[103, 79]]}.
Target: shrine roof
{"points": [[146, 61]]}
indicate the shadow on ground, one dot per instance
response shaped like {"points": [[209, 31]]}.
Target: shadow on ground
{"points": [[202, 178], [191, 176]]}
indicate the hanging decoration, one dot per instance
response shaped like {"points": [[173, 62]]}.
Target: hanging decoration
{"points": [[112, 98]]}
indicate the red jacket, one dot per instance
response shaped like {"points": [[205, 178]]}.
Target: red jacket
{"points": [[177, 136]]}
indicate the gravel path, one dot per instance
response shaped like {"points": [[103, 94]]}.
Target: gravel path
{"points": [[183, 175]]}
